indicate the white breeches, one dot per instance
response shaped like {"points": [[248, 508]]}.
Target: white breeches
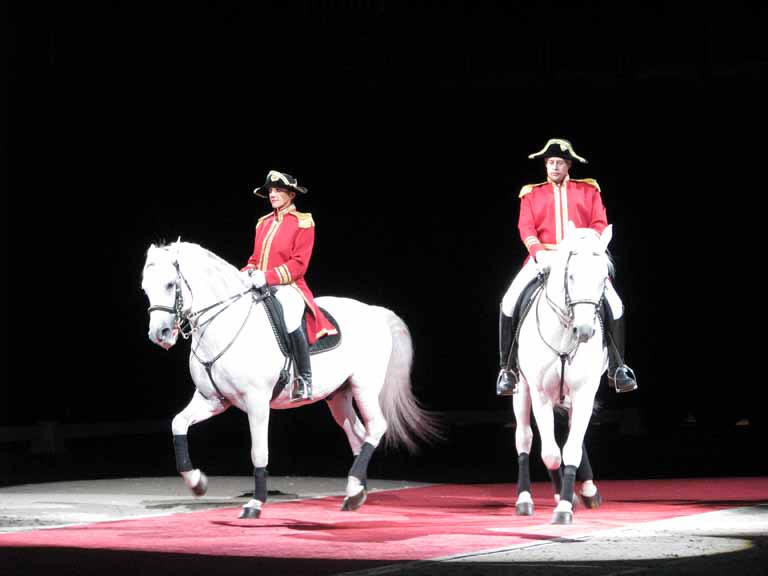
{"points": [[293, 306], [528, 273]]}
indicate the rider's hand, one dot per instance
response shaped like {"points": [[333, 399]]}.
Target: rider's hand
{"points": [[245, 276], [544, 260], [258, 279]]}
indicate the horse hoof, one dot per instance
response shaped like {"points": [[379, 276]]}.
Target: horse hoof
{"points": [[202, 485], [592, 501], [352, 503], [524, 508], [562, 517], [250, 513]]}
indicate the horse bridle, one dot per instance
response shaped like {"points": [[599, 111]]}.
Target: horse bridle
{"points": [[178, 305], [566, 315], [188, 324], [566, 319]]}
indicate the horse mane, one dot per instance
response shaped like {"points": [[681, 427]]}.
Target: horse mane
{"points": [[222, 268]]}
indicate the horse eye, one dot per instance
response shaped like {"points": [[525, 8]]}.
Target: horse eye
{"points": [[169, 286]]}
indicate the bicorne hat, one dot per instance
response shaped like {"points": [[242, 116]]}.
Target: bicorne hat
{"points": [[558, 148], [281, 180]]}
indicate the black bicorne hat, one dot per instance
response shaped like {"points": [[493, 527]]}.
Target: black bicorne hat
{"points": [[281, 180], [558, 148]]}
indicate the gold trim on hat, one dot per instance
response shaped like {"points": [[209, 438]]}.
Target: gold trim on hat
{"points": [[564, 145]]}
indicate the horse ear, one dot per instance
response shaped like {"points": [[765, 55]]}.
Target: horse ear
{"points": [[606, 236]]}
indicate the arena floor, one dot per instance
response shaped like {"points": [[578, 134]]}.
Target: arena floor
{"points": [[154, 526]]}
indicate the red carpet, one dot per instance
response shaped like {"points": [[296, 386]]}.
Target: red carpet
{"points": [[398, 525]]}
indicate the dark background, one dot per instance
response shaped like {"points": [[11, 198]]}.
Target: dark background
{"points": [[131, 123]]}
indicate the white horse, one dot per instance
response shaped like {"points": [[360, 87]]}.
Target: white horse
{"points": [[561, 359], [235, 359]]}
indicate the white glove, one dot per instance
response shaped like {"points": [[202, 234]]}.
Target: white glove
{"points": [[258, 279], [245, 276]]}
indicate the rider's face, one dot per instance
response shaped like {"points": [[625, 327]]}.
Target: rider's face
{"points": [[280, 198], [557, 169]]}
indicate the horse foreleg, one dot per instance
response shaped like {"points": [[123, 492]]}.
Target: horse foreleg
{"points": [[198, 410], [550, 451], [521, 402], [257, 408], [581, 412]]}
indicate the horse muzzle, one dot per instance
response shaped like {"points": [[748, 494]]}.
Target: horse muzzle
{"points": [[164, 336], [583, 332]]}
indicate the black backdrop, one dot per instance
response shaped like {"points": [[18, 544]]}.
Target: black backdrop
{"points": [[132, 123]]}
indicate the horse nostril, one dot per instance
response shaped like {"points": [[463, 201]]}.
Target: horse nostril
{"points": [[165, 333]]}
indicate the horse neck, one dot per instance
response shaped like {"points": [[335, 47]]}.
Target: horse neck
{"points": [[210, 278]]}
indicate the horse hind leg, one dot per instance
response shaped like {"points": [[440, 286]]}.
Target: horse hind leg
{"points": [[366, 397], [589, 494], [343, 411]]}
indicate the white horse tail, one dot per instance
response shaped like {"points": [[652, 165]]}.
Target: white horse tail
{"points": [[407, 421]]}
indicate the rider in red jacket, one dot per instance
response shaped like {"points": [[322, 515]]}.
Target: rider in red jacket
{"points": [[282, 248], [545, 210]]}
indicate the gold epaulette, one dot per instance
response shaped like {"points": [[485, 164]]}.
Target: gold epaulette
{"points": [[264, 217], [305, 219], [528, 188], [591, 182]]}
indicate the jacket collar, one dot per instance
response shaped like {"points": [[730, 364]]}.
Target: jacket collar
{"points": [[280, 214]]}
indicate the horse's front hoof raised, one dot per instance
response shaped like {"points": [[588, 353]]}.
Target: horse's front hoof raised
{"points": [[524, 508], [202, 485], [352, 503], [250, 513]]}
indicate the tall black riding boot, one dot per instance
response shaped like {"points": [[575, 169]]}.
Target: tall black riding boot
{"points": [[302, 379], [506, 383], [620, 376]]}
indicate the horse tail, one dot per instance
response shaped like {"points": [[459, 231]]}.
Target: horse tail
{"points": [[407, 421]]}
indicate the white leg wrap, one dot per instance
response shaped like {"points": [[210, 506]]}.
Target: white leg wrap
{"points": [[354, 486], [524, 498], [564, 506], [191, 477], [588, 488], [252, 503]]}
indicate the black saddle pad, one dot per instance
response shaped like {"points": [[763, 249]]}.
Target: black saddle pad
{"points": [[328, 342]]}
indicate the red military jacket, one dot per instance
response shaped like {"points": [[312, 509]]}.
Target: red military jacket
{"points": [[282, 249], [546, 208]]}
